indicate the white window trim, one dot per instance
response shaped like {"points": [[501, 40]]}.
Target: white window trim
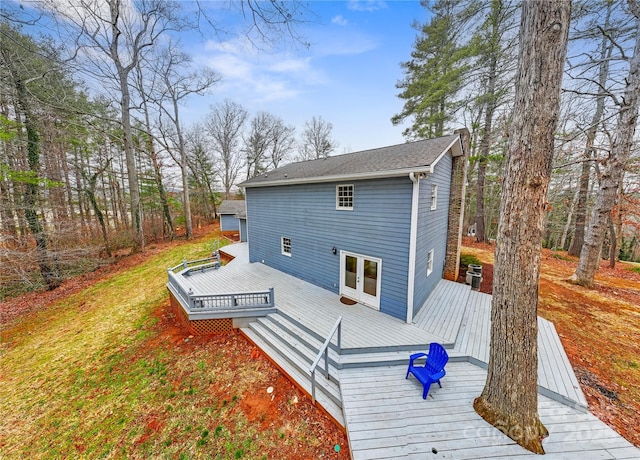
{"points": [[430, 262], [344, 208], [282, 251], [434, 197]]}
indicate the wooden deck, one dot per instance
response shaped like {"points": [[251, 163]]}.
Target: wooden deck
{"points": [[556, 378], [383, 413], [386, 417], [314, 307], [444, 311]]}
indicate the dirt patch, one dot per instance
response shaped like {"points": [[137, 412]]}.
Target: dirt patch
{"points": [[272, 402]]}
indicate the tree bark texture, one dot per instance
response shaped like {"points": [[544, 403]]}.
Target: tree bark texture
{"points": [[509, 400], [613, 170]]}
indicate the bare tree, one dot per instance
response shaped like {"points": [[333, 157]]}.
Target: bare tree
{"points": [[282, 142], [613, 170], [224, 126], [316, 139], [509, 400], [203, 172], [268, 143], [257, 142], [145, 88], [116, 35], [175, 86], [603, 63]]}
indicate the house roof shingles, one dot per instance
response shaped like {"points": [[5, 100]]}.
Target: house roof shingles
{"points": [[232, 207], [378, 162]]}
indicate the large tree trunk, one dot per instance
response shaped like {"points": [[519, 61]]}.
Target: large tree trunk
{"points": [[48, 266], [583, 189], [509, 400], [125, 112], [613, 170]]}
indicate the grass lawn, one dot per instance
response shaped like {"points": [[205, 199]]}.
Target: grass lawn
{"points": [[106, 373]]}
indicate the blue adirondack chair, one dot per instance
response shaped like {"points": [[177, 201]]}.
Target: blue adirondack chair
{"points": [[432, 370]]}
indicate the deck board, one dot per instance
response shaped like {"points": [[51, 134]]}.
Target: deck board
{"points": [[313, 306], [454, 314], [402, 424], [443, 312], [384, 412]]}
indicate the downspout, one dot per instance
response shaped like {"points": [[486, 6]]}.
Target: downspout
{"points": [[413, 237]]}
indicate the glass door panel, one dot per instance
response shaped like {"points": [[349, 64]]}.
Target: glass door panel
{"points": [[370, 277], [351, 272], [360, 278]]}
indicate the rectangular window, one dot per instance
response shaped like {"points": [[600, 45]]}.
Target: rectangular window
{"points": [[285, 244], [429, 262], [344, 197], [434, 197]]}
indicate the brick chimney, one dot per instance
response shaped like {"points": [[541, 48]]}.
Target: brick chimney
{"points": [[456, 208]]}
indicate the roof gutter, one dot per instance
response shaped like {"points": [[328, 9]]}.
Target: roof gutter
{"points": [[342, 177], [415, 177]]}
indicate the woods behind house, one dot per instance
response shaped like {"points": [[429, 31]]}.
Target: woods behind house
{"points": [[95, 160]]}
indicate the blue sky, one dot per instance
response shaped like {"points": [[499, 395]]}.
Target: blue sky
{"points": [[347, 75]]}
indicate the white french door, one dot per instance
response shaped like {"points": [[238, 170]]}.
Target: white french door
{"points": [[360, 278]]}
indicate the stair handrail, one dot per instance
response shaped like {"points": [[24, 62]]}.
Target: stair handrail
{"points": [[324, 350]]}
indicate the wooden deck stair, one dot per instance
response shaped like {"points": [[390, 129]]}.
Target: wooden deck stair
{"points": [[292, 346], [294, 352]]}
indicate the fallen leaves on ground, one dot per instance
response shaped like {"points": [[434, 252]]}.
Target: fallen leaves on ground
{"points": [[599, 328]]}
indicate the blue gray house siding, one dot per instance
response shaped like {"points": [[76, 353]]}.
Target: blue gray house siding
{"points": [[378, 226], [432, 231], [229, 223]]}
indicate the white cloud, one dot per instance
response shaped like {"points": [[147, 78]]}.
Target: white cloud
{"points": [[366, 5], [259, 76], [339, 20]]}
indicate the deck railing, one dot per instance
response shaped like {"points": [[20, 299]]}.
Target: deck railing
{"points": [[324, 351], [235, 301], [200, 303], [190, 266]]}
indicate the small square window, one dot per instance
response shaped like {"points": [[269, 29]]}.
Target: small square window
{"points": [[434, 197], [344, 197], [285, 244], [429, 262]]}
